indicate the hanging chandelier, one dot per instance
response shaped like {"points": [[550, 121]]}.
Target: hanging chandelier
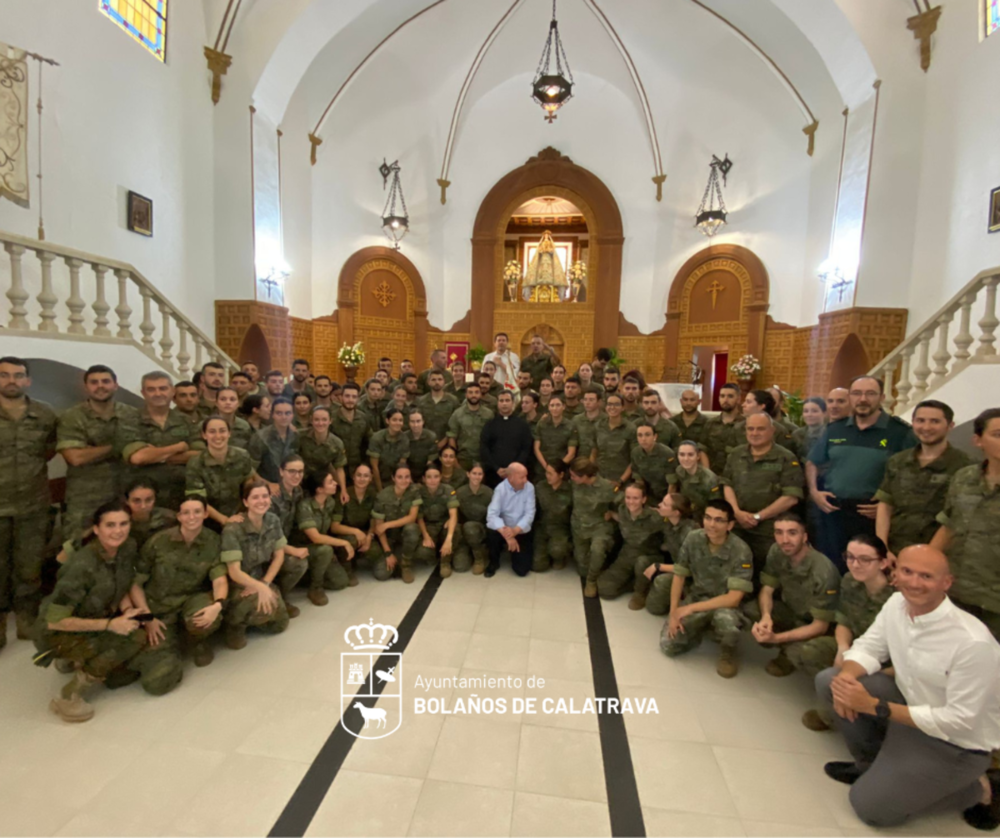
{"points": [[552, 90], [711, 213], [395, 222]]}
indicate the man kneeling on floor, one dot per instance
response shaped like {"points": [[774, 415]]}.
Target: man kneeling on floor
{"points": [[720, 568], [920, 738]]}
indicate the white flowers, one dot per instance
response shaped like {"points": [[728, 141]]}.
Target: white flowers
{"points": [[746, 367], [351, 356], [512, 271]]}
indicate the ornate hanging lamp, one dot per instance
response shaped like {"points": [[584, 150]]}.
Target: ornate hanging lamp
{"points": [[711, 213], [395, 222], [552, 90]]}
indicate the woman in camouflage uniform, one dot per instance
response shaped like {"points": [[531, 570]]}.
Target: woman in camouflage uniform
{"points": [[227, 405], [217, 474], [677, 525], [641, 529], [423, 443], [302, 405], [814, 416], [313, 520], [451, 472], [353, 522], [395, 516], [697, 483], [388, 447], [473, 501], [553, 539], [437, 520], [256, 409], [594, 499]]}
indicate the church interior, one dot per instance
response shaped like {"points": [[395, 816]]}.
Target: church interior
{"points": [[812, 184]]}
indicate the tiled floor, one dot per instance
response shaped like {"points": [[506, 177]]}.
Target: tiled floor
{"points": [[224, 753]]}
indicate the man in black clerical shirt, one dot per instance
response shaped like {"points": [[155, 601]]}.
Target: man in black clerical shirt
{"points": [[505, 439]]}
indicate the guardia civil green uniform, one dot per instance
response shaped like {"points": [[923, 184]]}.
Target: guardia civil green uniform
{"points": [[539, 366], [758, 482], [708, 573], [553, 537], [972, 512], [437, 413], [917, 494], [699, 488], [177, 580], [320, 457], [554, 440], [641, 538], [388, 451], [593, 536], [472, 508], [354, 433], [586, 432], [358, 514], [719, 439], [26, 446], [90, 586], [657, 590], [403, 541], [91, 485], [168, 478], [324, 570], [423, 449], [276, 449], [253, 549], [465, 428], [614, 448], [219, 482], [653, 467], [808, 591], [434, 512]]}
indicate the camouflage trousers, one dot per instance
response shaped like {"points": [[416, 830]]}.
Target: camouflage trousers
{"points": [[591, 547], [241, 611], [404, 541], [626, 573], [471, 537], [161, 667], [811, 656], [292, 570], [724, 623], [98, 653], [324, 570], [22, 553], [658, 597], [431, 555], [374, 557], [553, 543]]}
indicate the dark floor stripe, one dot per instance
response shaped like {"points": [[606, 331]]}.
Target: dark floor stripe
{"points": [[619, 773], [301, 809]]}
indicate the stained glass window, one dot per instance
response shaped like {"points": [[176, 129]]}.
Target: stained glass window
{"points": [[992, 16], [144, 20]]}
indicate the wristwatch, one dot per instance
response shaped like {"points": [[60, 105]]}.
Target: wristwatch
{"points": [[756, 517], [882, 710]]}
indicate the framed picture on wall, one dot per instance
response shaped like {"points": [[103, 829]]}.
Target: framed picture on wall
{"points": [[140, 214], [994, 210]]}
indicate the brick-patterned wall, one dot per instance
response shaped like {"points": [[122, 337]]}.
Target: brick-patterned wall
{"points": [[645, 353], [302, 341], [234, 317]]}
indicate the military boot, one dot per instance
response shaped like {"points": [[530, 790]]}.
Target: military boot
{"points": [[407, 573], [317, 596], [352, 577], [590, 590], [558, 564], [25, 623], [293, 610], [813, 720], [638, 601], [202, 654], [445, 568], [478, 567], [780, 666], [71, 705], [727, 665], [236, 637]]}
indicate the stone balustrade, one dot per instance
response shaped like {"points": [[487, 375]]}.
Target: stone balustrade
{"points": [[60, 291], [930, 356]]}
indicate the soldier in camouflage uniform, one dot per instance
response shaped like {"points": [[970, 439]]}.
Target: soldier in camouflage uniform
{"points": [[800, 624], [313, 520], [437, 520], [652, 589], [539, 363], [720, 569], [278, 440], [301, 413], [641, 529], [186, 400], [451, 472], [395, 517], [90, 438], [353, 522], [594, 498], [253, 551], [553, 537], [693, 480], [388, 447], [667, 432], [615, 439], [653, 462], [456, 385], [184, 586], [438, 360], [473, 502], [27, 443], [423, 443], [241, 432], [372, 405], [284, 505], [437, 406], [586, 423], [970, 526], [761, 480], [724, 431], [321, 450], [218, 473], [572, 400], [691, 422], [915, 484], [351, 428], [82, 621], [466, 426], [555, 438]]}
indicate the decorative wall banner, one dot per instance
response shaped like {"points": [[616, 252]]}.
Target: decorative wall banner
{"points": [[14, 125]]}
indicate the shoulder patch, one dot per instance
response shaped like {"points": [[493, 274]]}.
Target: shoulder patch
{"points": [[715, 488], [746, 566], [795, 462], [454, 491], [832, 592]]}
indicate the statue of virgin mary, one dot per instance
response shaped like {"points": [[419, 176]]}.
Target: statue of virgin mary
{"points": [[546, 274]]}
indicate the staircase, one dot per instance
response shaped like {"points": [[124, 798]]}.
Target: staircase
{"points": [[61, 296], [930, 363]]}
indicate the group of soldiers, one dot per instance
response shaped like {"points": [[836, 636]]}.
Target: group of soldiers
{"points": [[205, 509]]}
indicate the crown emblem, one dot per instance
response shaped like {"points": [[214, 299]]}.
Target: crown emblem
{"points": [[371, 636]]}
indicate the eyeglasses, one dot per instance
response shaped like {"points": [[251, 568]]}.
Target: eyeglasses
{"points": [[861, 560]]}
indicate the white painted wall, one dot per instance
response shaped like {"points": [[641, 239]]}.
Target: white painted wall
{"points": [[116, 119]]}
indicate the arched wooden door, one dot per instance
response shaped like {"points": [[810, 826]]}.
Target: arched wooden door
{"points": [[382, 303]]}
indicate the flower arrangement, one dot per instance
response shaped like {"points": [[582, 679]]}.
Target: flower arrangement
{"points": [[578, 271], [351, 356], [512, 271], [745, 368]]}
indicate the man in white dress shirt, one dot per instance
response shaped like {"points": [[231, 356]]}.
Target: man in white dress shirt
{"points": [[921, 738], [508, 363]]}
